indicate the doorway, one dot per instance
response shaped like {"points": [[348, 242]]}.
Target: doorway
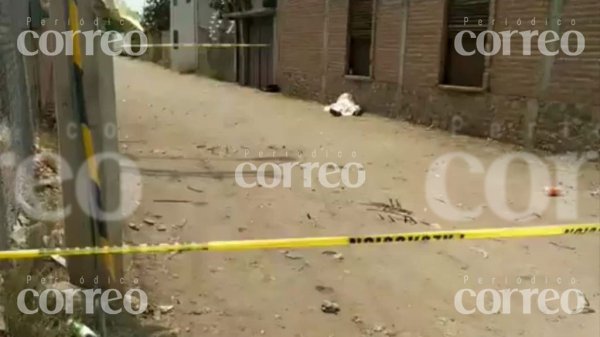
{"points": [[256, 68]]}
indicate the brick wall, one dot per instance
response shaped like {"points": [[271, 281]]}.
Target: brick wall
{"points": [[379, 93], [423, 43], [300, 37], [515, 74], [529, 98], [578, 80], [570, 114]]}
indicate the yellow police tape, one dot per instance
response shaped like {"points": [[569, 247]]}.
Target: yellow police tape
{"points": [[467, 234], [198, 45]]}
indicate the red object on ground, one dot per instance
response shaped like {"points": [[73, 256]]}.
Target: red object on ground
{"points": [[553, 191]]}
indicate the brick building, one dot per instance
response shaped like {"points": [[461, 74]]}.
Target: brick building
{"points": [[398, 58]]}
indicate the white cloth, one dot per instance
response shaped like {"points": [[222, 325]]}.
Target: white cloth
{"points": [[344, 105]]}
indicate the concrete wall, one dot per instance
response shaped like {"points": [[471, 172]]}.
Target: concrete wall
{"points": [[203, 16], [165, 38], [218, 63], [153, 54], [529, 100]]}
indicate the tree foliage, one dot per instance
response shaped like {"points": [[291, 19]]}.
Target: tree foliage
{"points": [[156, 16]]}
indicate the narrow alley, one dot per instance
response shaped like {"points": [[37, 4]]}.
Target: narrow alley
{"points": [[188, 134]]}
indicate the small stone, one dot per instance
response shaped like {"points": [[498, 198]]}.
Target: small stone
{"points": [[165, 308], [389, 333], [161, 228], [330, 307], [150, 221], [324, 289], [134, 226], [19, 237], [23, 220], [134, 302], [203, 311], [292, 256]]}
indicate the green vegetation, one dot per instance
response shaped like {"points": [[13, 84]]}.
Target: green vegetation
{"points": [[156, 16]]}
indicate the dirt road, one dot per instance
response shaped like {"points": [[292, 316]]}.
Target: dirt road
{"points": [[188, 134]]}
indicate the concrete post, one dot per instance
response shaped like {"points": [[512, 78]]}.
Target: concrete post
{"points": [[100, 106]]}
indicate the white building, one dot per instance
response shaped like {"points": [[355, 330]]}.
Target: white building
{"points": [[192, 21], [183, 30]]}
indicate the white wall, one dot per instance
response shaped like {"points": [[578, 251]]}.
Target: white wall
{"points": [[183, 20]]}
